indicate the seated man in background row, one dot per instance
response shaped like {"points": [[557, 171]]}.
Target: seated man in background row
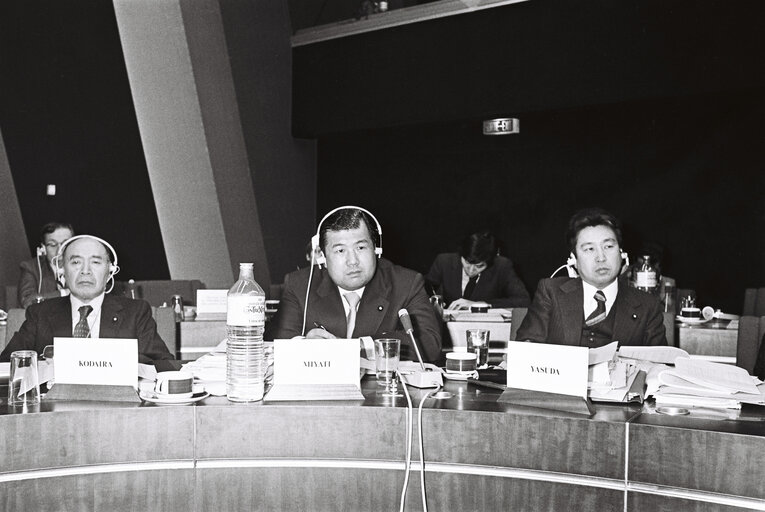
{"points": [[596, 308], [37, 281], [356, 295], [88, 312], [477, 274]]}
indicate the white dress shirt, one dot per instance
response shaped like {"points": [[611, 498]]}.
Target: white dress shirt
{"points": [[610, 291]]}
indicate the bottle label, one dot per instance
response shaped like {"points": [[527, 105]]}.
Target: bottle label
{"points": [[246, 311], [646, 280]]}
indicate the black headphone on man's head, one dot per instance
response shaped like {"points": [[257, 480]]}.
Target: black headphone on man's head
{"points": [[320, 259], [113, 267]]}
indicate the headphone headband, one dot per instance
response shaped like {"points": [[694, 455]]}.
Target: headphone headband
{"points": [[113, 267], [315, 240]]}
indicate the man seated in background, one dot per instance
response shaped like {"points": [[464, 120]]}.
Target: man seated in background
{"points": [[477, 274], [356, 295], [88, 312], [595, 308], [37, 281]]}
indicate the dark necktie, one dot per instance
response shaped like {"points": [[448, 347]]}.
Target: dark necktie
{"points": [[600, 311], [470, 286], [82, 329]]}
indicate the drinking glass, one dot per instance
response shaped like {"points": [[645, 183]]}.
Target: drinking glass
{"points": [[387, 356], [24, 384], [478, 342]]}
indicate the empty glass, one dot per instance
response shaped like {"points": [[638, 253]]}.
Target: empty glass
{"points": [[387, 356], [24, 384]]}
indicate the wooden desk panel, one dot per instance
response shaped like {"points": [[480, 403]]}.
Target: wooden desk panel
{"points": [[707, 341]]}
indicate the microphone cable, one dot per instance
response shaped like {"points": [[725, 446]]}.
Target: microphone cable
{"points": [[39, 274], [408, 458]]}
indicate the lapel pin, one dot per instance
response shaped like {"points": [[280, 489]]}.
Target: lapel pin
{"points": [[379, 308], [114, 319], [634, 316]]}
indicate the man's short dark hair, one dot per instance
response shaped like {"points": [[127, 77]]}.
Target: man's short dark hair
{"points": [[345, 219], [479, 247], [50, 227], [589, 218]]}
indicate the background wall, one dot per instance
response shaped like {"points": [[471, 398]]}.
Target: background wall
{"points": [[650, 109]]}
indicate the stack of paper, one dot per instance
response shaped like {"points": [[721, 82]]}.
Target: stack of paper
{"points": [[698, 383], [210, 369]]}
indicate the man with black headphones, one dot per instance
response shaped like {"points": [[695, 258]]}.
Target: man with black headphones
{"points": [[357, 294], [597, 307], [87, 263], [37, 280]]}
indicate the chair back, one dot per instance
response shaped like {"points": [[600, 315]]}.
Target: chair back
{"points": [[16, 317], [161, 292], [754, 302], [750, 332], [166, 326], [669, 327], [518, 315], [11, 297]]}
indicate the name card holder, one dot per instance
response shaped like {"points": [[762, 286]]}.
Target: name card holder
{"points": [[93, 393], [545, 400]]}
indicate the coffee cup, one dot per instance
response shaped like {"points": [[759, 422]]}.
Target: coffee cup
{"points": [[177, 384]]}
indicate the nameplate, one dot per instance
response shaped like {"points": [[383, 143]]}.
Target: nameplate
{"points": [[560, 369], [210, 302], [103, 361], [316, 361]]}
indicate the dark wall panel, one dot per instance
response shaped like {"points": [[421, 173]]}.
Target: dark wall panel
{"points": [[67, 118], [683, 173]]}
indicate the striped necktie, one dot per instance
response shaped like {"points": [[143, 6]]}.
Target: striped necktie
{"points": [[600, 311], [353, 301], [82, 329]]}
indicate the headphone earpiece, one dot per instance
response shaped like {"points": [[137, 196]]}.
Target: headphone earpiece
{"points": [[317, 256], [625, 257], [571, 261], [40, 250]]}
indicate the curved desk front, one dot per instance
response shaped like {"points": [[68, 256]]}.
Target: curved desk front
{"points": [[480, 455]]}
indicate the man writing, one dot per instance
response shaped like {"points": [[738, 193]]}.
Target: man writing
{"points": [[37, 280], [356, 294], [596, 308], [88, 312]]}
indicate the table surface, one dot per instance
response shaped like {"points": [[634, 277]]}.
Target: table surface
{"points": [[480, 454]]}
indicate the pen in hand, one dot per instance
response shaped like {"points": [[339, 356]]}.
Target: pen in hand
{"points": [[319, 326]]}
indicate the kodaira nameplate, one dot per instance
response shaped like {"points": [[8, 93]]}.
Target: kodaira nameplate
{"points": [[90, 392], [101, 361]]}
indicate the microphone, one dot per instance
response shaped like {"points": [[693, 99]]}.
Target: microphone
{"points": [[419, 378]]}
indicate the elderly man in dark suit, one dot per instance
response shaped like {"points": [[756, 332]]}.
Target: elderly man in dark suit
{"points": [[88, 265], [356, 294], [597, 307]]}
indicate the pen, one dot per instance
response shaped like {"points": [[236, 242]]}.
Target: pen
{"points": [[319, 326]]}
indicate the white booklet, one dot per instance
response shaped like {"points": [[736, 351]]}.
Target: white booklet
{"points": [[316, 369]]}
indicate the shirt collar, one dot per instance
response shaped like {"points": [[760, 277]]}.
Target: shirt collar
{"points": [[359, 292], [609, 291], [96, 303]]}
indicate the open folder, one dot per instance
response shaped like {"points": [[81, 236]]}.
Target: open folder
{"points": [[316, 370]]}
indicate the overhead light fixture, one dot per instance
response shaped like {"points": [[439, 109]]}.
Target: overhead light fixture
{"points": [[501, 126]]}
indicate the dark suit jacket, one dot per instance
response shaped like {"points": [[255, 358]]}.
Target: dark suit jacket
{"points": [[498, 284], [557, 316], [30, 279], [120, 318], [391, 288]]}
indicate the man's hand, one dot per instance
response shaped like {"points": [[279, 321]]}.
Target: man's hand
{"points": [[463, 304], [317, 333]]}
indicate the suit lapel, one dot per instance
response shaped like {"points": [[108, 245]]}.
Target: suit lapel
{"points": [[328, 308], [572, 310], [627, 312], [111, 318], [374, 304], [61, 319], [453, 277]]}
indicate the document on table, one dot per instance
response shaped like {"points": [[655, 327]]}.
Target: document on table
{"points": [[664, 355], [697, 375]]}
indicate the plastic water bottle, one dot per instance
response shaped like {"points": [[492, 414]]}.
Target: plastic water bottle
{"points": [[245, 321]]}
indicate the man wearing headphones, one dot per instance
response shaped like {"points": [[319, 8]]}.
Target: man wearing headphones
{"points": [[87, 264], [37, 280], [356, 294], [597, 307]]}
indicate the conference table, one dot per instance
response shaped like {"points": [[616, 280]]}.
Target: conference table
{"points": [[480, 454]]}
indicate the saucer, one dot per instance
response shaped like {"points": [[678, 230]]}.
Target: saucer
{"points": [[162, 399], [691, 321]]}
